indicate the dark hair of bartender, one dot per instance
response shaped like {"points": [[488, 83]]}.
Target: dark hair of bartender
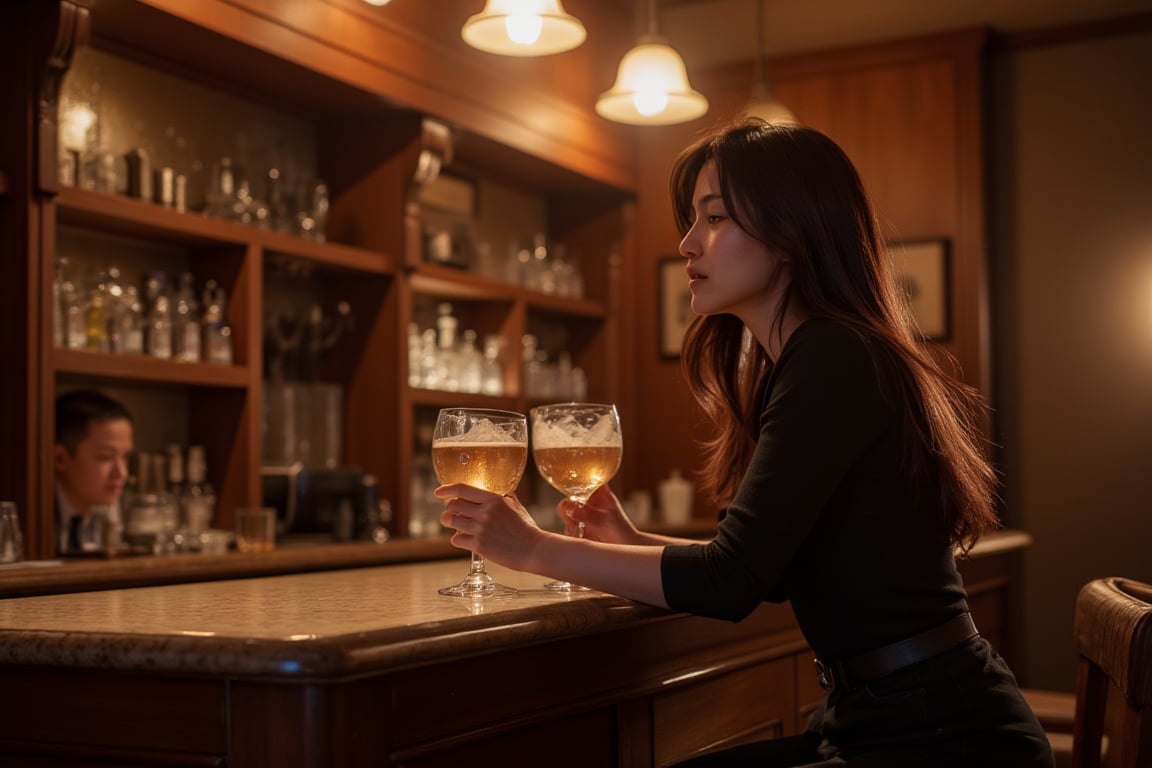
{"points": [[92, 445]]}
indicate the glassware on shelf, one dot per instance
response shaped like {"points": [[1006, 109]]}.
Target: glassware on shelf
{"points": [[11, 538], [130, 322], [447, 363], [221, 192], [217, 332], [577, 448], [186, 322], [486, 449], [158, 329], [97, 313], [491, 368]]}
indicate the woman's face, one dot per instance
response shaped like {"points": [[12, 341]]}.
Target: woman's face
{"points": [[95, 473], [729, 271]]}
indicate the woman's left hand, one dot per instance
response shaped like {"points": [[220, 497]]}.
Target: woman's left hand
{"points": [[496, 527]]}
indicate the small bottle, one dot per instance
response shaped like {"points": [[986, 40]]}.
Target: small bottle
{"points": [[71, 308], [491, 370], [159, 328], [131, 322], [446, 355], [470, 363], [175, 471], [59, 329], [96, 316], [186, 322], [414, 354], [217, 333], [197, 502]]}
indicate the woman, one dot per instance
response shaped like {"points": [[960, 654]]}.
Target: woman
{"points": [[849, 465]]}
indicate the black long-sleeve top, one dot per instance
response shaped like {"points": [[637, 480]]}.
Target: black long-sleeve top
{"points": [[826, 516]]}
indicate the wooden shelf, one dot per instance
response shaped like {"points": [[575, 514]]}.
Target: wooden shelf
{"points": [[137, 218], [145, 369], [438, 398]]}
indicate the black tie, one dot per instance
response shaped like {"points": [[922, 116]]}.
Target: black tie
{"points": [[74, 532]]}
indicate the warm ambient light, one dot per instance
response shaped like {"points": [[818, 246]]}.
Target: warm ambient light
{"points": [[763, 104], [652, 85], [523, 28], [378, 2], [652, 88]]}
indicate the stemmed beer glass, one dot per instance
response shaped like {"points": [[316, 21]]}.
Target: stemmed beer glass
{"points": [[577, 448], [486, 449]]}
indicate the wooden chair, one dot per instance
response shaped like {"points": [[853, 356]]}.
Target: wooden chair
{"points": [[1113, 635]]}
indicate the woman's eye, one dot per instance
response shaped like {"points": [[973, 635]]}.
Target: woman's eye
{"points": [[715, 218]]}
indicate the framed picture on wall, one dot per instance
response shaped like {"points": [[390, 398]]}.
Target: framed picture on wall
{"points": [[922, 270], [675, 305]]}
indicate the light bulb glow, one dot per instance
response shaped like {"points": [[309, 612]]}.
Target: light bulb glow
{"points": [[650, 101], [651, 88], [524, 28]]}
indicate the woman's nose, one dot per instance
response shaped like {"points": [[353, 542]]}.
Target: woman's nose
{"points": [[688, 246]]}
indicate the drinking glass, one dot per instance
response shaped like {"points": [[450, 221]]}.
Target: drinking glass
{"points": [[11, 540], [577, 448], [486, 449]]}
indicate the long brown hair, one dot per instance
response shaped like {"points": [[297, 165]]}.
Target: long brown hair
{"points": [[796, 191]]}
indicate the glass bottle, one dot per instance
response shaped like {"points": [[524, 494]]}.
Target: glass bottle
{"points": [[131, 322], [491, 370], [197, 501], [469, 363], [415, 378], [175, 466], [71, 306], [446, 357], [96, 315], [59, 329], [114, 309], [159, 328], [186, 322], [217, 332]]}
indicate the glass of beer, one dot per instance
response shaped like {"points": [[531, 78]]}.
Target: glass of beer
{"points": [[577, 448], [486, 449]]}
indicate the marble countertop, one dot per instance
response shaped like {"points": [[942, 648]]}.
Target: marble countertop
{"points": [[323, 625]]}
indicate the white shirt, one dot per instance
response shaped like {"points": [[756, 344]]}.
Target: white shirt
{"points": [[91, 533]]}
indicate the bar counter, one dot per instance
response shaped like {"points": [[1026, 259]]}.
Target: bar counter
{"points": [[369, 666], [310, 626]]}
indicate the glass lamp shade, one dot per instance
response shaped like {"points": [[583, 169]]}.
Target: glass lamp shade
{"points": [[523, 28], [651, 88], [765, 106]]}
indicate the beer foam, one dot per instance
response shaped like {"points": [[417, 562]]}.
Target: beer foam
{"points": [[483, 431], [568, 433]]}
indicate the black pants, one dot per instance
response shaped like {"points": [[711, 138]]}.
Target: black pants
{"points": [[961, 709]]}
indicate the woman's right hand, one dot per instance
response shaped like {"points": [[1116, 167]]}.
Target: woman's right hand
{"points": [[603, 517]]}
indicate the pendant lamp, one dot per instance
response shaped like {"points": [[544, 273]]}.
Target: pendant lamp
{"points": [[652, 85], [763, 104], [523, 28]]}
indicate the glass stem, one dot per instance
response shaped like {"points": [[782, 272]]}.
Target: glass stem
{"points": [[477, 566]]}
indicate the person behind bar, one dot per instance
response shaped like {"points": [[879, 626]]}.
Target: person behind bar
{"points": [[849, 464], [93, 443]]}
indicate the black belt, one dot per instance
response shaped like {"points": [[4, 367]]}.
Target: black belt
{"points": [[889, 658]]}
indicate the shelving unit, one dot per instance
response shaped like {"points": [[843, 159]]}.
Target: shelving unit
{"points": [[368, 149]]}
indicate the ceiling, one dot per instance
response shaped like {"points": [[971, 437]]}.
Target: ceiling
{"points": [[712, 32]]}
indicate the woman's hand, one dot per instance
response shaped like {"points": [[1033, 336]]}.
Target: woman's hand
{"points": [[493, 526], [603, 518]]}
